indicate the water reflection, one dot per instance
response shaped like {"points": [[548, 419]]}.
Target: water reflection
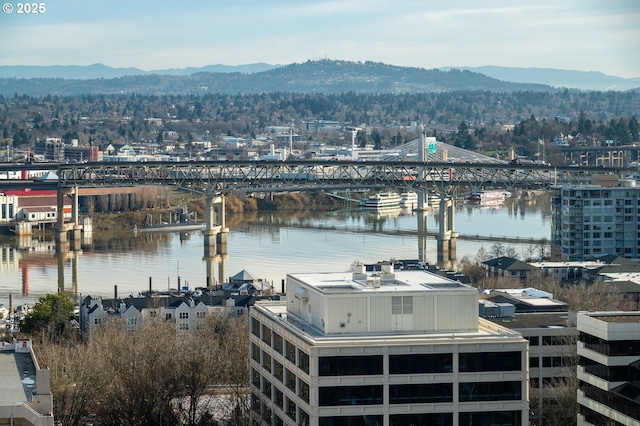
{"points": [[269, 245]]}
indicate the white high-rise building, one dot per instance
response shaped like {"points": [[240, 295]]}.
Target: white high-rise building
{"points": [[594, 220], [383, 348]]}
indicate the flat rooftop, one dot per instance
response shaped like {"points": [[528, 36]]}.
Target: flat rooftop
{"points": [[397, 281], [538, 320], [17, 378], [622, 318]]}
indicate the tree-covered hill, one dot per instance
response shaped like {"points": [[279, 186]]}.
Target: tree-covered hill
{"points": [[324, 76]]}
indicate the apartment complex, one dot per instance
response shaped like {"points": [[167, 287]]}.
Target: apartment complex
{"points": [[594, 220], [383, 348], [609, 368]]}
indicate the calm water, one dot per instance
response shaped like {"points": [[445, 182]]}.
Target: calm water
{"points": [[267, 245]]}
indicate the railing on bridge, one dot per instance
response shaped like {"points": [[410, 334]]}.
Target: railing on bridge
{"points": [[272, 176]]}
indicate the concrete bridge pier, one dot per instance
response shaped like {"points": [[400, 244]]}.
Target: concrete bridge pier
{"points": [[61, 229], [76, 229], [447, 237], [223, 236], [212, 227]]}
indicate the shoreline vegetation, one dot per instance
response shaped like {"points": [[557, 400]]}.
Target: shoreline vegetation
{"points": [[236, 204]]}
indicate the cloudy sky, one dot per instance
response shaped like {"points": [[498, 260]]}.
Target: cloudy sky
{"points": [[587, 35]]}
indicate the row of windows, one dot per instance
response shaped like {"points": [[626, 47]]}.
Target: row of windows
{"points": [[613, 348], [4, 211], [419, 393], [622, 373], [419, 363], [495, 418], [281, 345], [549, 340], [551, 361]]}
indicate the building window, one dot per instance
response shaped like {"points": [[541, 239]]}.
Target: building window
{"points": [[278, 398], [350, 395], [290, 379], [97, 321], [201, 314], [436, 419], [290, 353], [291, 409], [168, 316], [184, 315], [266, 334], [421, 393], [304, 418], [490, 361], [420, 363], [255, 378], [266, 388], [350, 365], [490, 391], [278, 343], [533, 340], [369, 420], [183, 326], [255, 327], [511, 418], [303, 361], [303, 390], [278, 371], [266, 361], [255, 352]]}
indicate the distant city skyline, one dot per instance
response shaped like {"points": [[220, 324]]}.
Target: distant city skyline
{"points": [[585, 35]]}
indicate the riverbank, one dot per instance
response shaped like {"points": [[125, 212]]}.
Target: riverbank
{"points": [[235, 204]]}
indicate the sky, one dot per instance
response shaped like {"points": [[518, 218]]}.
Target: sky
{"points": [[585, 35]]}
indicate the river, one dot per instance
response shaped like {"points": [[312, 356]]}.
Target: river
{"points": [[268, 245]]}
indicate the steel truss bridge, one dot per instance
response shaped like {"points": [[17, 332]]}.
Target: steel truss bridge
{"points": [[219, 177]]}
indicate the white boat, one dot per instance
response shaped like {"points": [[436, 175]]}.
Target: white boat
{"points": [[489, 196], [383, 200], [409, 200]]}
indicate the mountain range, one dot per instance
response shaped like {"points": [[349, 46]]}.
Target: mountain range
{"points": [[322, 76]]}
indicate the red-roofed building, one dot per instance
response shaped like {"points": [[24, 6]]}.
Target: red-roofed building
{"points": [[31, 206]]}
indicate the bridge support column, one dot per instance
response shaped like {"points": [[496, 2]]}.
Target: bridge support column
{"points": [[447, 237], [212, 228], [224, 231], [61, 230], [76, 229]]}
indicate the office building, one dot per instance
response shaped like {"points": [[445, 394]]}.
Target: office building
{"points": [[25, 388], [383, 348], [609, 368]]}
